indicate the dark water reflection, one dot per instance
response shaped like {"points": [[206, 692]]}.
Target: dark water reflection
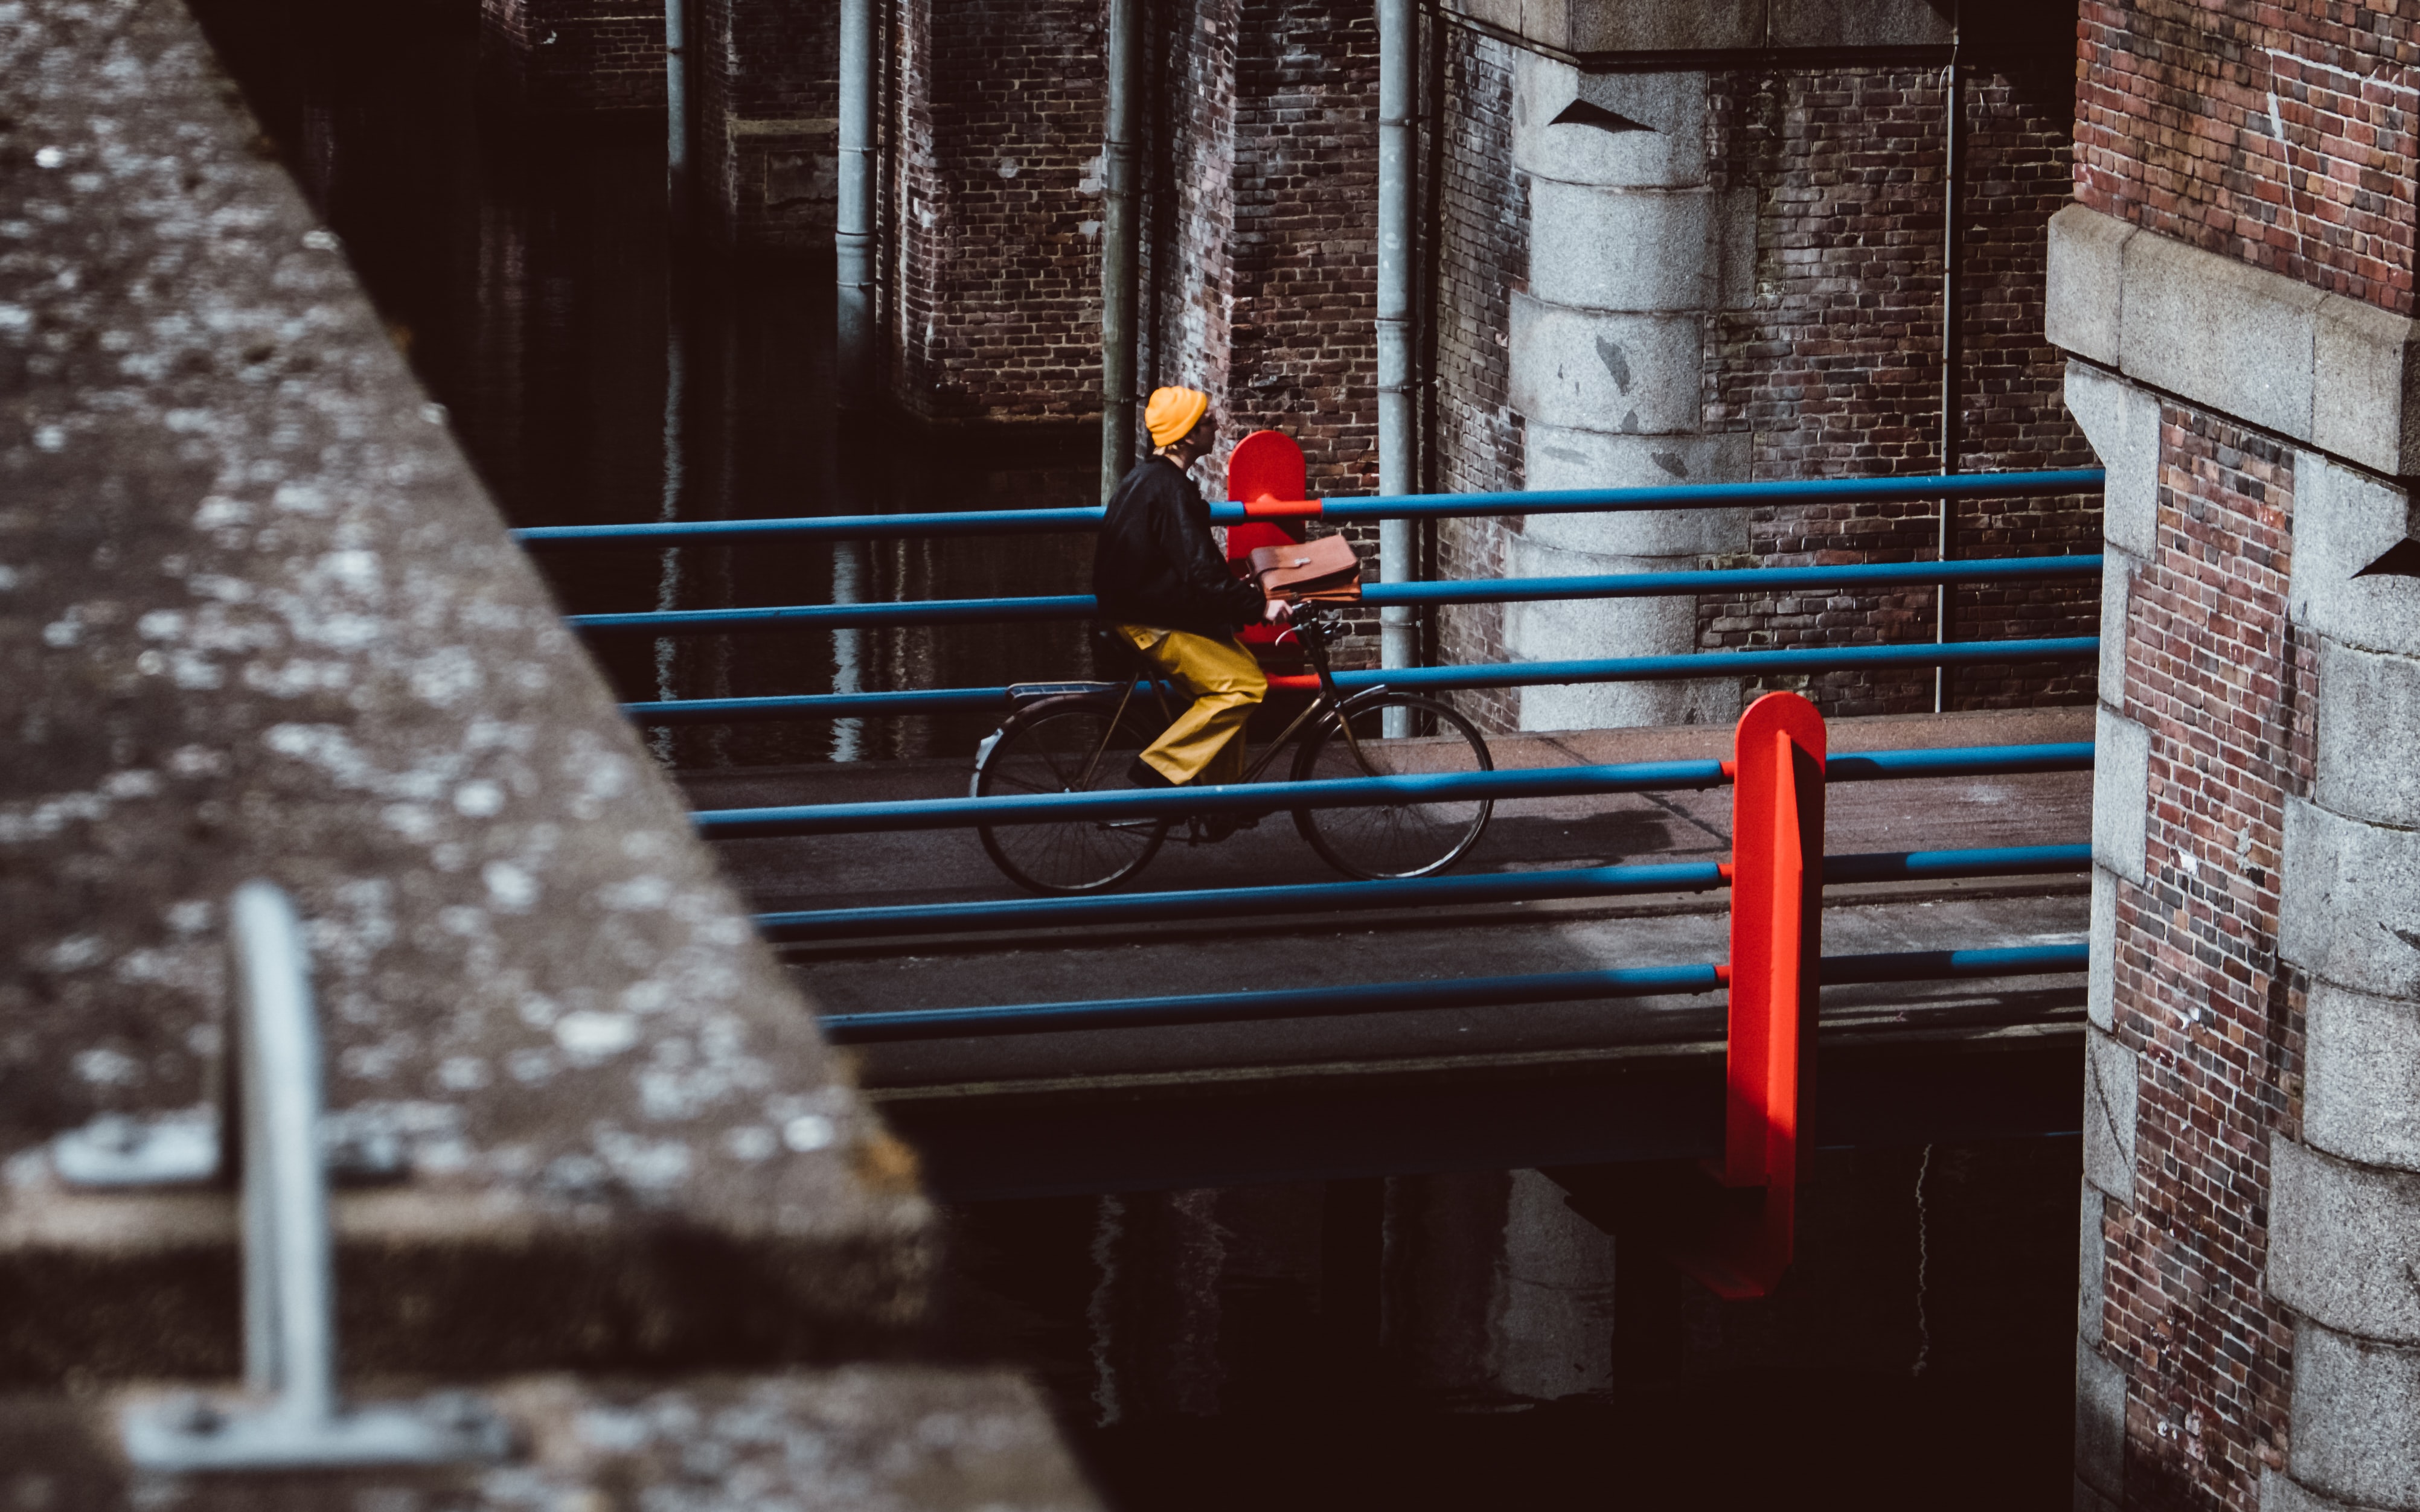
{"points": [[598, 373]]}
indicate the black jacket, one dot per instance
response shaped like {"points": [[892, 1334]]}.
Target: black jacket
{"points": [[1157, 562]]}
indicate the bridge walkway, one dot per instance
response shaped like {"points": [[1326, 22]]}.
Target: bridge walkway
{"points": [[1530, 1084]]}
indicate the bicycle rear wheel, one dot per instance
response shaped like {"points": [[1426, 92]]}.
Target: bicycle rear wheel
{"points": [[1407, 839], [1068, 744]]}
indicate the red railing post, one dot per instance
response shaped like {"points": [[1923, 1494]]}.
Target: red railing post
{"points": [[1776, 945]]}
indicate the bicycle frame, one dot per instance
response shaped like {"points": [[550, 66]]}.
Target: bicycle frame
{"points": [[1313, 632]]}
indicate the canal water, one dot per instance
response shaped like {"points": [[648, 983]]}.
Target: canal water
{"points": [[1445, 1341]]}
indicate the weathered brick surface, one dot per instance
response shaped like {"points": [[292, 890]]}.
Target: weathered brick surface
{"points": [[2227, 694], [2281, 135], [1258, 168], [1479, 256], [766, 85], [580, 54], [1833, 368], [998, 186]]}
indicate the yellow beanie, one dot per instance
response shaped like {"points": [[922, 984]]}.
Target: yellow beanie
{"points": [[1172, 413]]}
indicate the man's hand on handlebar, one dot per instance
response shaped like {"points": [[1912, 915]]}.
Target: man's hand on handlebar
{"points": [[1277, 611]]}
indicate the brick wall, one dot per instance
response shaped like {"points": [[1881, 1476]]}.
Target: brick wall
{"points": [[579, 54], [1187, 279], [2282, 136], [999, 205], [2226, 692], [765, 76], [1835, 367], [1479, 256]]}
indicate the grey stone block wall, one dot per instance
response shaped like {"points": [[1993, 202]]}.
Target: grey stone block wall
{"points": [[1632, 250], [2355, 1404]]}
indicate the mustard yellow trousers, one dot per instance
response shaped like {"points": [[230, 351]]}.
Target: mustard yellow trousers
{"points": [[1207, 739]]}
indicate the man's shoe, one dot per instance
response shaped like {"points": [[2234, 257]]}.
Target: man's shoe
{"points": [[1143, 774], [1217, 827]]}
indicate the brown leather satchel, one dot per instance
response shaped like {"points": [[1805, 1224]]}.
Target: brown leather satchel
{"points": [[1325, 570]]}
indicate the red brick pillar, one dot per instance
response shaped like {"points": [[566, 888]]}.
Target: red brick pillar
{"points": [[2238, 324]]}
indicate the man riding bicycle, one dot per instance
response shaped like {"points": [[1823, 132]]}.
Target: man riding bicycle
{"points": [[1162, 583]]}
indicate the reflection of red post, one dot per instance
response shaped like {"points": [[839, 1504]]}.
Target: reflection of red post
{"points": [[1776, 945], [1265, 470]]}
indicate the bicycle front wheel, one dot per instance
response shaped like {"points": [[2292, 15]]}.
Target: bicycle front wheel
{"points": [[1068, 744], [1406, 840]]}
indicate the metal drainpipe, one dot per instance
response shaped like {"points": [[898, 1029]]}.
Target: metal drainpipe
{"points": [[1951, 353], [676, 112], [853, 231], [1121, 227], [1397, 629]]}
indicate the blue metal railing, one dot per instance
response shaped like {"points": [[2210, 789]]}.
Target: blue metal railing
{"points": [[1497, 674], [1404, 996], [803, 926], [1391, 506], [1365, 792], [1059, 607]]}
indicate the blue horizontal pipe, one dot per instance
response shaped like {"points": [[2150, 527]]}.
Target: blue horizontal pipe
{"points": [[1404, 996], [1724, 664], [1416, 892], [1391, 506], [1971, 760], [1236, 798], [1927, 866], [1299, 1002], [821, 527], [1709, 496], [1944, 965], [1498, 674], [1364, 791], [1497, 591], [1233, 902]]}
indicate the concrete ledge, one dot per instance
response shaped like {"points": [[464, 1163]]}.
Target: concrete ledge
{"points": [[2283, 1493], [2100, 1423], [1625, 26], [1667, 149], [862, 1437], [2122, 423], [2100, 978], [2111, 1075], [2091, 1297], [2121, 793], [2361, 1064], [2344, 520], [1639, 249], [2344, 1243], [2351, 901], [2118, 571], [1622, 374], [2353, 1407], [2260, 348], [2368, 735], [260, 620]]}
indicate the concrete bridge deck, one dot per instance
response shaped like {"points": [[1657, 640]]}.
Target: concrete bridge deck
{"points": [[1567, 1082]]}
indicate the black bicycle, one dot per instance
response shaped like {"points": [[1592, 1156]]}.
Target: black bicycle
{"points": [[1082, 737]]}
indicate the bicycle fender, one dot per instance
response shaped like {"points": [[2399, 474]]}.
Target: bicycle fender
{"points": [[1358, 696]]}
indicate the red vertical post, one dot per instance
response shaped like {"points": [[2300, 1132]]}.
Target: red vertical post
{"points": [[1776, 946]]}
